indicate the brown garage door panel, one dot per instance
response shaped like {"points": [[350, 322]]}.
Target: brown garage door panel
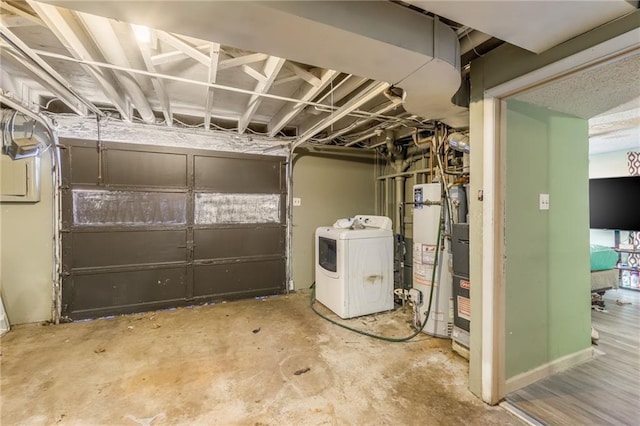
{"points": [[148, 227], [99, 249], [224, 243], [238, 175], [85, 164], [122, 292], [145, 169], [239, 279]]}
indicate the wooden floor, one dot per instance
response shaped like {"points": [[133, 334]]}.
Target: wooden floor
{"points": [[603, 391]]}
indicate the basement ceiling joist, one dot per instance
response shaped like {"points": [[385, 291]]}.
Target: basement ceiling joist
{"points": [[84, 60]]}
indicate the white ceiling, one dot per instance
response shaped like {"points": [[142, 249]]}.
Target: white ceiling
{"points": [[383, 42], [533, 25], [608, 95]]}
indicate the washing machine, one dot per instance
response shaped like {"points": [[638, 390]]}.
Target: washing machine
{"points": [[354, 266]]}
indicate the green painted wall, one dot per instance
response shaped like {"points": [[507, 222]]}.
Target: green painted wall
{"points": [[330, 187], [548, 312], [527, 240], [569, 265]]}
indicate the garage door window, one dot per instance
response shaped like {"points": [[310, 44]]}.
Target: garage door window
{"points": [[128, 208], [211, 209]]}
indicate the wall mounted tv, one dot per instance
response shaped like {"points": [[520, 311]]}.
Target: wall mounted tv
{"points": [[614, 203]]}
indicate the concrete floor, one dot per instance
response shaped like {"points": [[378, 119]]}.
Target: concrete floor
{"points": [[210, 365]]}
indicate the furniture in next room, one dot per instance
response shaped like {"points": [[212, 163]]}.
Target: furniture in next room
{"points": [[628, 270], [604, 274]]}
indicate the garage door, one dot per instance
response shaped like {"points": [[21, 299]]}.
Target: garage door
{"points": [[148, 227]]}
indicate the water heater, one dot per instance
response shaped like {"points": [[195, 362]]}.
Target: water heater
{"points": [[426, 219]]}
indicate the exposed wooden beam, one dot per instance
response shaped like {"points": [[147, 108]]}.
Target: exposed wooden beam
{"points": [[303, 74], [23, 14], [106, 40], [372, 90], [253, 73], [284, 80], [69, 33], [214, 54], [380, 110], [271, 68], [47, 76], [175, 55], [39, 76], [184, 47], [339, 91], [304, 93], [13, 21], [241, 60], [8, 81], [158, 84]]}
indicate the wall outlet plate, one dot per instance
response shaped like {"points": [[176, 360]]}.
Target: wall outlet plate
{"points": [[297, 202], [544, 201]]}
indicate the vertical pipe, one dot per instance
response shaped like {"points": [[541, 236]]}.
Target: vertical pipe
{"points": [[289, 215], [100, 178], [56, 309], [377, 184], [398, 201]]}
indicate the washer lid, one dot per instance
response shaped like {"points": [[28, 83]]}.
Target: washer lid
{"points": [[367, 221], [352, 234]]}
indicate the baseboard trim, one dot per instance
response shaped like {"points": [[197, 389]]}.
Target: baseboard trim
{"points": [[545, 370], [522, 415]]}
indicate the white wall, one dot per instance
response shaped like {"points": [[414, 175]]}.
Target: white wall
{"points": [[608, 164], [26, 253]]}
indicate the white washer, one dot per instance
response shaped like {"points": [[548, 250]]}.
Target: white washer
{"points": [[354, 267]]}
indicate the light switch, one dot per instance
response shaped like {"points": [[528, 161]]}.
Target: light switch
{"points": [[297, 202], [544, 201]]}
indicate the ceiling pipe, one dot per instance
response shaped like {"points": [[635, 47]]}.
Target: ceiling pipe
{"points": [[387, 107], [379, 131], [354, 83], [370, 92]]}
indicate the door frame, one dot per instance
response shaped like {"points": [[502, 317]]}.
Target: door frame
{"points": [[493, 382]]}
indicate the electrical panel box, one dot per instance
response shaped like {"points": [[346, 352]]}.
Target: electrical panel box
{"points": [[19, 179]]}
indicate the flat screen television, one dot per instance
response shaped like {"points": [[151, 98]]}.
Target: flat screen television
{"points": [[614, 203]]}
